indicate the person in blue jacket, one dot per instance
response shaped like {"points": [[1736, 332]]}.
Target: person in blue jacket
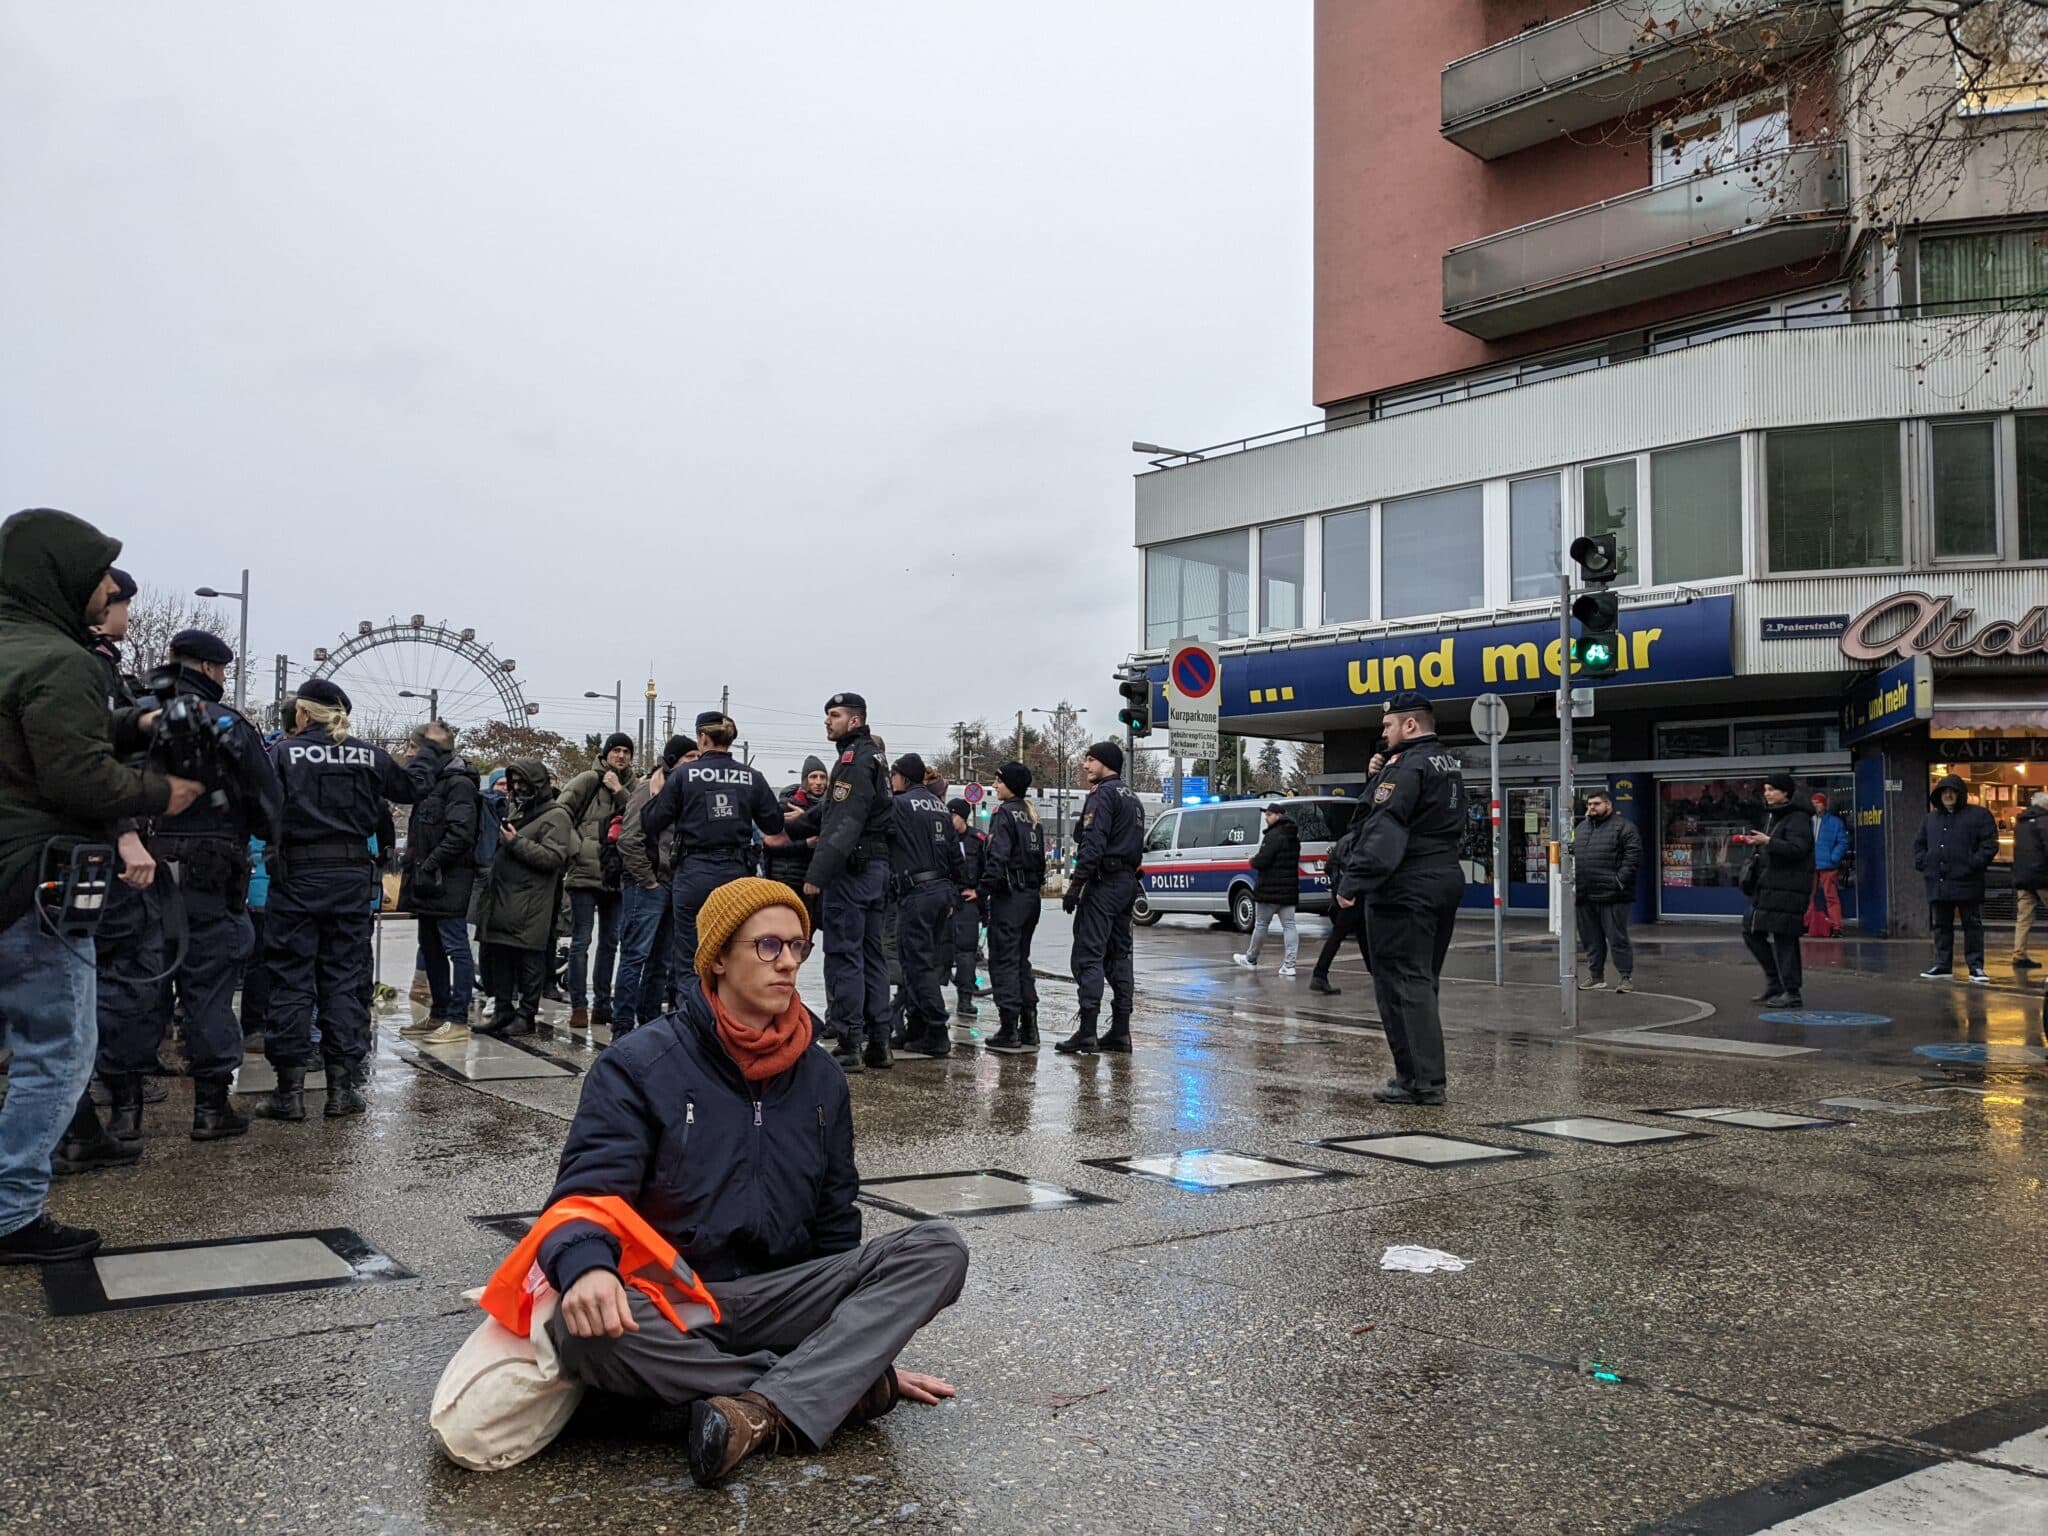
{"points": [[1957, 843], [1830, 851]]}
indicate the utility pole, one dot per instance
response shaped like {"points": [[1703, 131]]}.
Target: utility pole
{"points": [[647, 741], [671, 722], [284, 686], [725, 702], [1561, 831]]}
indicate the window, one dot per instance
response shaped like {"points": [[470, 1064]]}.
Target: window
{"points": [[1965, 274], [1281, 573], [1785, 738], [1720, 137], [1534, 550], [1610, 495], [1347, 566], [1694, 741], [1198, 829], [1198, 589], [1438, 544], [2002, 58], [2032, 432], [1964, 466], [1159, 836], [1239, 826], [1833, 498], [1307, 816], [1696, 511]]}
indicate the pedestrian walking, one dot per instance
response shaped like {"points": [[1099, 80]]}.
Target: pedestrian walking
{"points": [[1778, 881], [1013, 886], [1830, 853], [1277, 891], [1404, 866], [1104, 889], [1956, 844], [2029, 873], [1607, 852]]}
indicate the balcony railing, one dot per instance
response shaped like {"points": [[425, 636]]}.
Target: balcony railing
{"points": [[1610, 59], [1770, 211]]}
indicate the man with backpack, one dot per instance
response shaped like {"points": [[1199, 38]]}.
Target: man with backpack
{"points": [[593, 799]]}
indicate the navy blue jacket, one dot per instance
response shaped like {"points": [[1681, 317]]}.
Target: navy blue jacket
{"points": [[1955, 847], [1111, 841], [742, 1177]]}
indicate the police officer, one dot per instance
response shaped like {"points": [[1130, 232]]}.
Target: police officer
{"points": [[716, 804], [924, 877], [323, 887], [1404, 867], [850, 866], [1012, 880], [967, 908], [1109, 849], [202, 862]]}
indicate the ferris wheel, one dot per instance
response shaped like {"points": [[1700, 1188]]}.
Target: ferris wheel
{"points": [[405, 671]]}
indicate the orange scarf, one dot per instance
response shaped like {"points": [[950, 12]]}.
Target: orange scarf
{"points": [[763, 1053]]}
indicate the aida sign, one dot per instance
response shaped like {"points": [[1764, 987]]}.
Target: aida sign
{"points": [[1915, 624]]}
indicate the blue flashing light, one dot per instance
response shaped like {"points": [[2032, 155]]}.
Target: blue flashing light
{"points": [[1215, 799]]}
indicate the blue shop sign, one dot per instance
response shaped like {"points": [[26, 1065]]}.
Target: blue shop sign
{"points": [[1884, 701], [1669, 643]]}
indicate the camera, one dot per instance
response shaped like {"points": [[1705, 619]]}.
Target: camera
{"points": [[188, 741]]}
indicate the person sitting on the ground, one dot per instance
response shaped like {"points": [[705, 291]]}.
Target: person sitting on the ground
{"points": [[733, 1139]]}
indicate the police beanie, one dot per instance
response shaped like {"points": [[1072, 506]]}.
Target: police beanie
{"points": [[201, 645], [961, 809], [726, 909], [1015, 776], [124, 584], [318, 690], [911, 766], [618, 739], [1109, 754]]}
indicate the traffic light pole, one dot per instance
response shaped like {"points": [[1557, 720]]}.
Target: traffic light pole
{"points": [[1561, 830]]}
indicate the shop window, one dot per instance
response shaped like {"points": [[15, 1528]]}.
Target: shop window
{"points": [[1995, 269], [1696, 511], [1699, 860], [1785, 738], [1695, 741], [1281, 573], [1610, 507], [1535, 549], [1438, 544], [1347, 566], [1964, 466], [1198, 589], [2032, 435], [1833, 498]]}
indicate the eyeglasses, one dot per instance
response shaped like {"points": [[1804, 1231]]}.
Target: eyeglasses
{"points": [[770, 949]]}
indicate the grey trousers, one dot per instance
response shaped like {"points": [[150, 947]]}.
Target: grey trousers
{"points": [[811, 1339]]}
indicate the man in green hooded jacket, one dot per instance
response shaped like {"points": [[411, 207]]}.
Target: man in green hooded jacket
{"points": [[61, 786]]}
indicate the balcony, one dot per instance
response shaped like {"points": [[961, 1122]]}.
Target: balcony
{"points": [[1575, 72], [1776, 210]]}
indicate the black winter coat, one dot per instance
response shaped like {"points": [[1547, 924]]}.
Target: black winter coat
{"points": [[1955, 847], [742, 1177], [2030, 851], [1784, 865], [1606, 855], [1278, 863], [441, 840]]}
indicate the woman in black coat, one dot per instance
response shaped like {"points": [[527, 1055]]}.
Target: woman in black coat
{"points": [[438, 879], [1779, 884]]}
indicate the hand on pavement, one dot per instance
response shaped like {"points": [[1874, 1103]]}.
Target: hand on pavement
{"points": [[920, 1388]]}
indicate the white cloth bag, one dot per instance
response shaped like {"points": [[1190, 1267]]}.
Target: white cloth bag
{"points": [[502, 1397]]}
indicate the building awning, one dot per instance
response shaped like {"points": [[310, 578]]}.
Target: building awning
{"points": [[2005, 707]]}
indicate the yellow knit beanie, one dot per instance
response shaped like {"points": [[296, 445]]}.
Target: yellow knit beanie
{"points": [[728, 907]]}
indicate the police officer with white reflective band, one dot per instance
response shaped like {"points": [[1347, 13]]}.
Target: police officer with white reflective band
{"points": [[850, 867], [323, 888], [1108, 850], [1404, 866]]}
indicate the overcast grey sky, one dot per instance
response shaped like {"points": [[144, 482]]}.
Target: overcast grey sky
{"points": [[794, 347]]}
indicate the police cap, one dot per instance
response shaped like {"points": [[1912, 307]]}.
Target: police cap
{"points": [[852, 701], [202, 645], [709, 718], [318, 690], [1410, 703], [124, 584], [911, 766]]}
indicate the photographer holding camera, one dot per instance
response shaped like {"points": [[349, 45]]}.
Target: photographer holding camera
{"points": [[62, 788], [202, 863]]}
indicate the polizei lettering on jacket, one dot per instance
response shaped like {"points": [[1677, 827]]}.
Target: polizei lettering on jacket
{"points": [[339, 755], [721, 775]]}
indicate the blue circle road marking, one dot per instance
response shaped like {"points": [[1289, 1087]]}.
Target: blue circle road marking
{"points": [[1192, 673], [1819, 1018], [1973, 1051]]}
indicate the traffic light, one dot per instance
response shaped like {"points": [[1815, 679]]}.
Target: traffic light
{"points": [[1597, 649], [1136, 714]]}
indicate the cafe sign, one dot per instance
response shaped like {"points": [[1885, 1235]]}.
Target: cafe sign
{"points": [[1914, 624]]}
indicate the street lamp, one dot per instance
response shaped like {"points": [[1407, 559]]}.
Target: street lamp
{"points": [[1158, 452], [1060, 716], [432, 696], [618, 698], [241, 650]]}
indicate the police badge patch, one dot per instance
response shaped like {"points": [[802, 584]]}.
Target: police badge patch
{"points": [[841, 791], [1383, 794]]}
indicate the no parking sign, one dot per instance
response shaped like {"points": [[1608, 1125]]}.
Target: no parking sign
{"points": [[1194, 700]]}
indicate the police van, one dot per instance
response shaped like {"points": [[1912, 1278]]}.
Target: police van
{"points": [[1198, 858]]}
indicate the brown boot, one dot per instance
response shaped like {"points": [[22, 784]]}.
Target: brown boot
{"points": [[724, 1431], [579, 1021], [876, 1401]]}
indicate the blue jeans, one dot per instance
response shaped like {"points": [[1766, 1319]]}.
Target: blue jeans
{"points": [[49, 1001], [640, 993], [450, 967], [587, 910]]}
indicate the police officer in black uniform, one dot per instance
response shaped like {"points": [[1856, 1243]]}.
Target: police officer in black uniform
{"points": [[1108, 851], [1012, 883], [924, 877], [323, 888], [202, 862], [1404, 866], [850, 866], [967, 907], [716, 803]]}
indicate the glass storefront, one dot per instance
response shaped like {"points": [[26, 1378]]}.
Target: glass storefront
{"points": [[1699, 861], [2003, 789]]}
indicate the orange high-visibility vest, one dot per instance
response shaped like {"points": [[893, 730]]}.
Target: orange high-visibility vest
{"points": [[648, 1263]]}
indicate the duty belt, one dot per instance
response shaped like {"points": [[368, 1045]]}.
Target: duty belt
{"points": [[905, 884], [724, 852], [326, 851]]}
